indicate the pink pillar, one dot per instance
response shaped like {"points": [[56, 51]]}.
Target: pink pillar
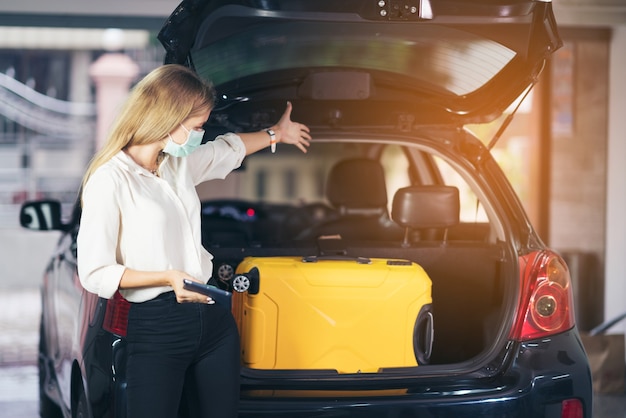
{"points": [[112, 74]]}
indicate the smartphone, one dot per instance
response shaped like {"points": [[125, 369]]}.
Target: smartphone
{"points": [[220, 296]]}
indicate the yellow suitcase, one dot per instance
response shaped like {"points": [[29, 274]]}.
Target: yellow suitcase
{"points": [[348, 315]]}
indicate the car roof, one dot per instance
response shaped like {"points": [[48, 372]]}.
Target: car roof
{"points": [[367, 63]]}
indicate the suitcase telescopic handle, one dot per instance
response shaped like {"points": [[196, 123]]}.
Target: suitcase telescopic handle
{"points": [[316, 258]]}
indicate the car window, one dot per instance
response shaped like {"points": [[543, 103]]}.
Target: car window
{"points": [[471, 209], [287, 177], [289, 190], [396, 166]]}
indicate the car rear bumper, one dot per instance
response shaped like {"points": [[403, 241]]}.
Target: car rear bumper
{"points": [[542, 375]]}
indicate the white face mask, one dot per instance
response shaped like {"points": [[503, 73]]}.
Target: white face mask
{"points": [[194, 139]]}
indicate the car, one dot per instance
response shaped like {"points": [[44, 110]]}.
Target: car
{"points": [[391, 271]]}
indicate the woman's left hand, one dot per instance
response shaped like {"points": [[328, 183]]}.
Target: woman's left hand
{"points": [[289, 132]]}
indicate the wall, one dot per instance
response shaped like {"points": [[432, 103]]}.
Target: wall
{"points": [[23, 257], [578, 168], [615, 295]]}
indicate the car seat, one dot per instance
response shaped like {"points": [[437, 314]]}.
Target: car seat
{"points": [[356, 189], [426, 211]]}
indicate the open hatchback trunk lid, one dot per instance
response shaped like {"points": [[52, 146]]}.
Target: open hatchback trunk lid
{"points": [[357, 63]]}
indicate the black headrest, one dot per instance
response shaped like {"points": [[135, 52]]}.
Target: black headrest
{"points": [[357, 183], [426, 206]]}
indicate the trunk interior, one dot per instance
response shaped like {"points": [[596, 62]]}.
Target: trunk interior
{"points": [[467, 285]]}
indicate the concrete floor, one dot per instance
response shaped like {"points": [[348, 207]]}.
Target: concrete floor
{"points": [[609, 406], [18, 354], [18, 392], [19, 335]]}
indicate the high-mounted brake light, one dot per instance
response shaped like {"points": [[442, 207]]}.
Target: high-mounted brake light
{"points": [[546, 305], [116, 315]]}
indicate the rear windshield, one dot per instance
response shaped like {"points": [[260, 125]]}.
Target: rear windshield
{"points": [[438, 58]]}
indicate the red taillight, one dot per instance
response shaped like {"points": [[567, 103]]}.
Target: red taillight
{"points": [[572, 408], [116, 315], [546, 306]]}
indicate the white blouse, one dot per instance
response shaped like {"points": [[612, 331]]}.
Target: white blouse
{"points": [[134, 219]]}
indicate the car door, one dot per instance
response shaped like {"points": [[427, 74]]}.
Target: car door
{"points": [[64, 294]]}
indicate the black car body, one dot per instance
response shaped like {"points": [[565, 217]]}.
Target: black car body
{"points": [[390, 81]]}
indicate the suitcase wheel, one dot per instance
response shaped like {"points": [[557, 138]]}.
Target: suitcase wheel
{"points": [[423, 335], [225, 272], [247, 282], [241, 283]]}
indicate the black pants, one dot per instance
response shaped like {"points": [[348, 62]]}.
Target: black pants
{"points": [[182, 357]]}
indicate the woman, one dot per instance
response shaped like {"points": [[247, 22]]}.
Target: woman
{"points": [[140, 234]]}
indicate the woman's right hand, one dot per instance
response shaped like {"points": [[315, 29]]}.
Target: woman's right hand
{"points": [[183, 295]]}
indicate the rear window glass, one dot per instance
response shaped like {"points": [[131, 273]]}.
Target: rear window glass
{"points": [[440, 58]]}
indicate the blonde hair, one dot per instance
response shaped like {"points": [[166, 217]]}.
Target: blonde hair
{"points": [[159, 103]]}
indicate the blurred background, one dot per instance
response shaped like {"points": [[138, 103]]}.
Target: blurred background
{"points": [[66, 65]]}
